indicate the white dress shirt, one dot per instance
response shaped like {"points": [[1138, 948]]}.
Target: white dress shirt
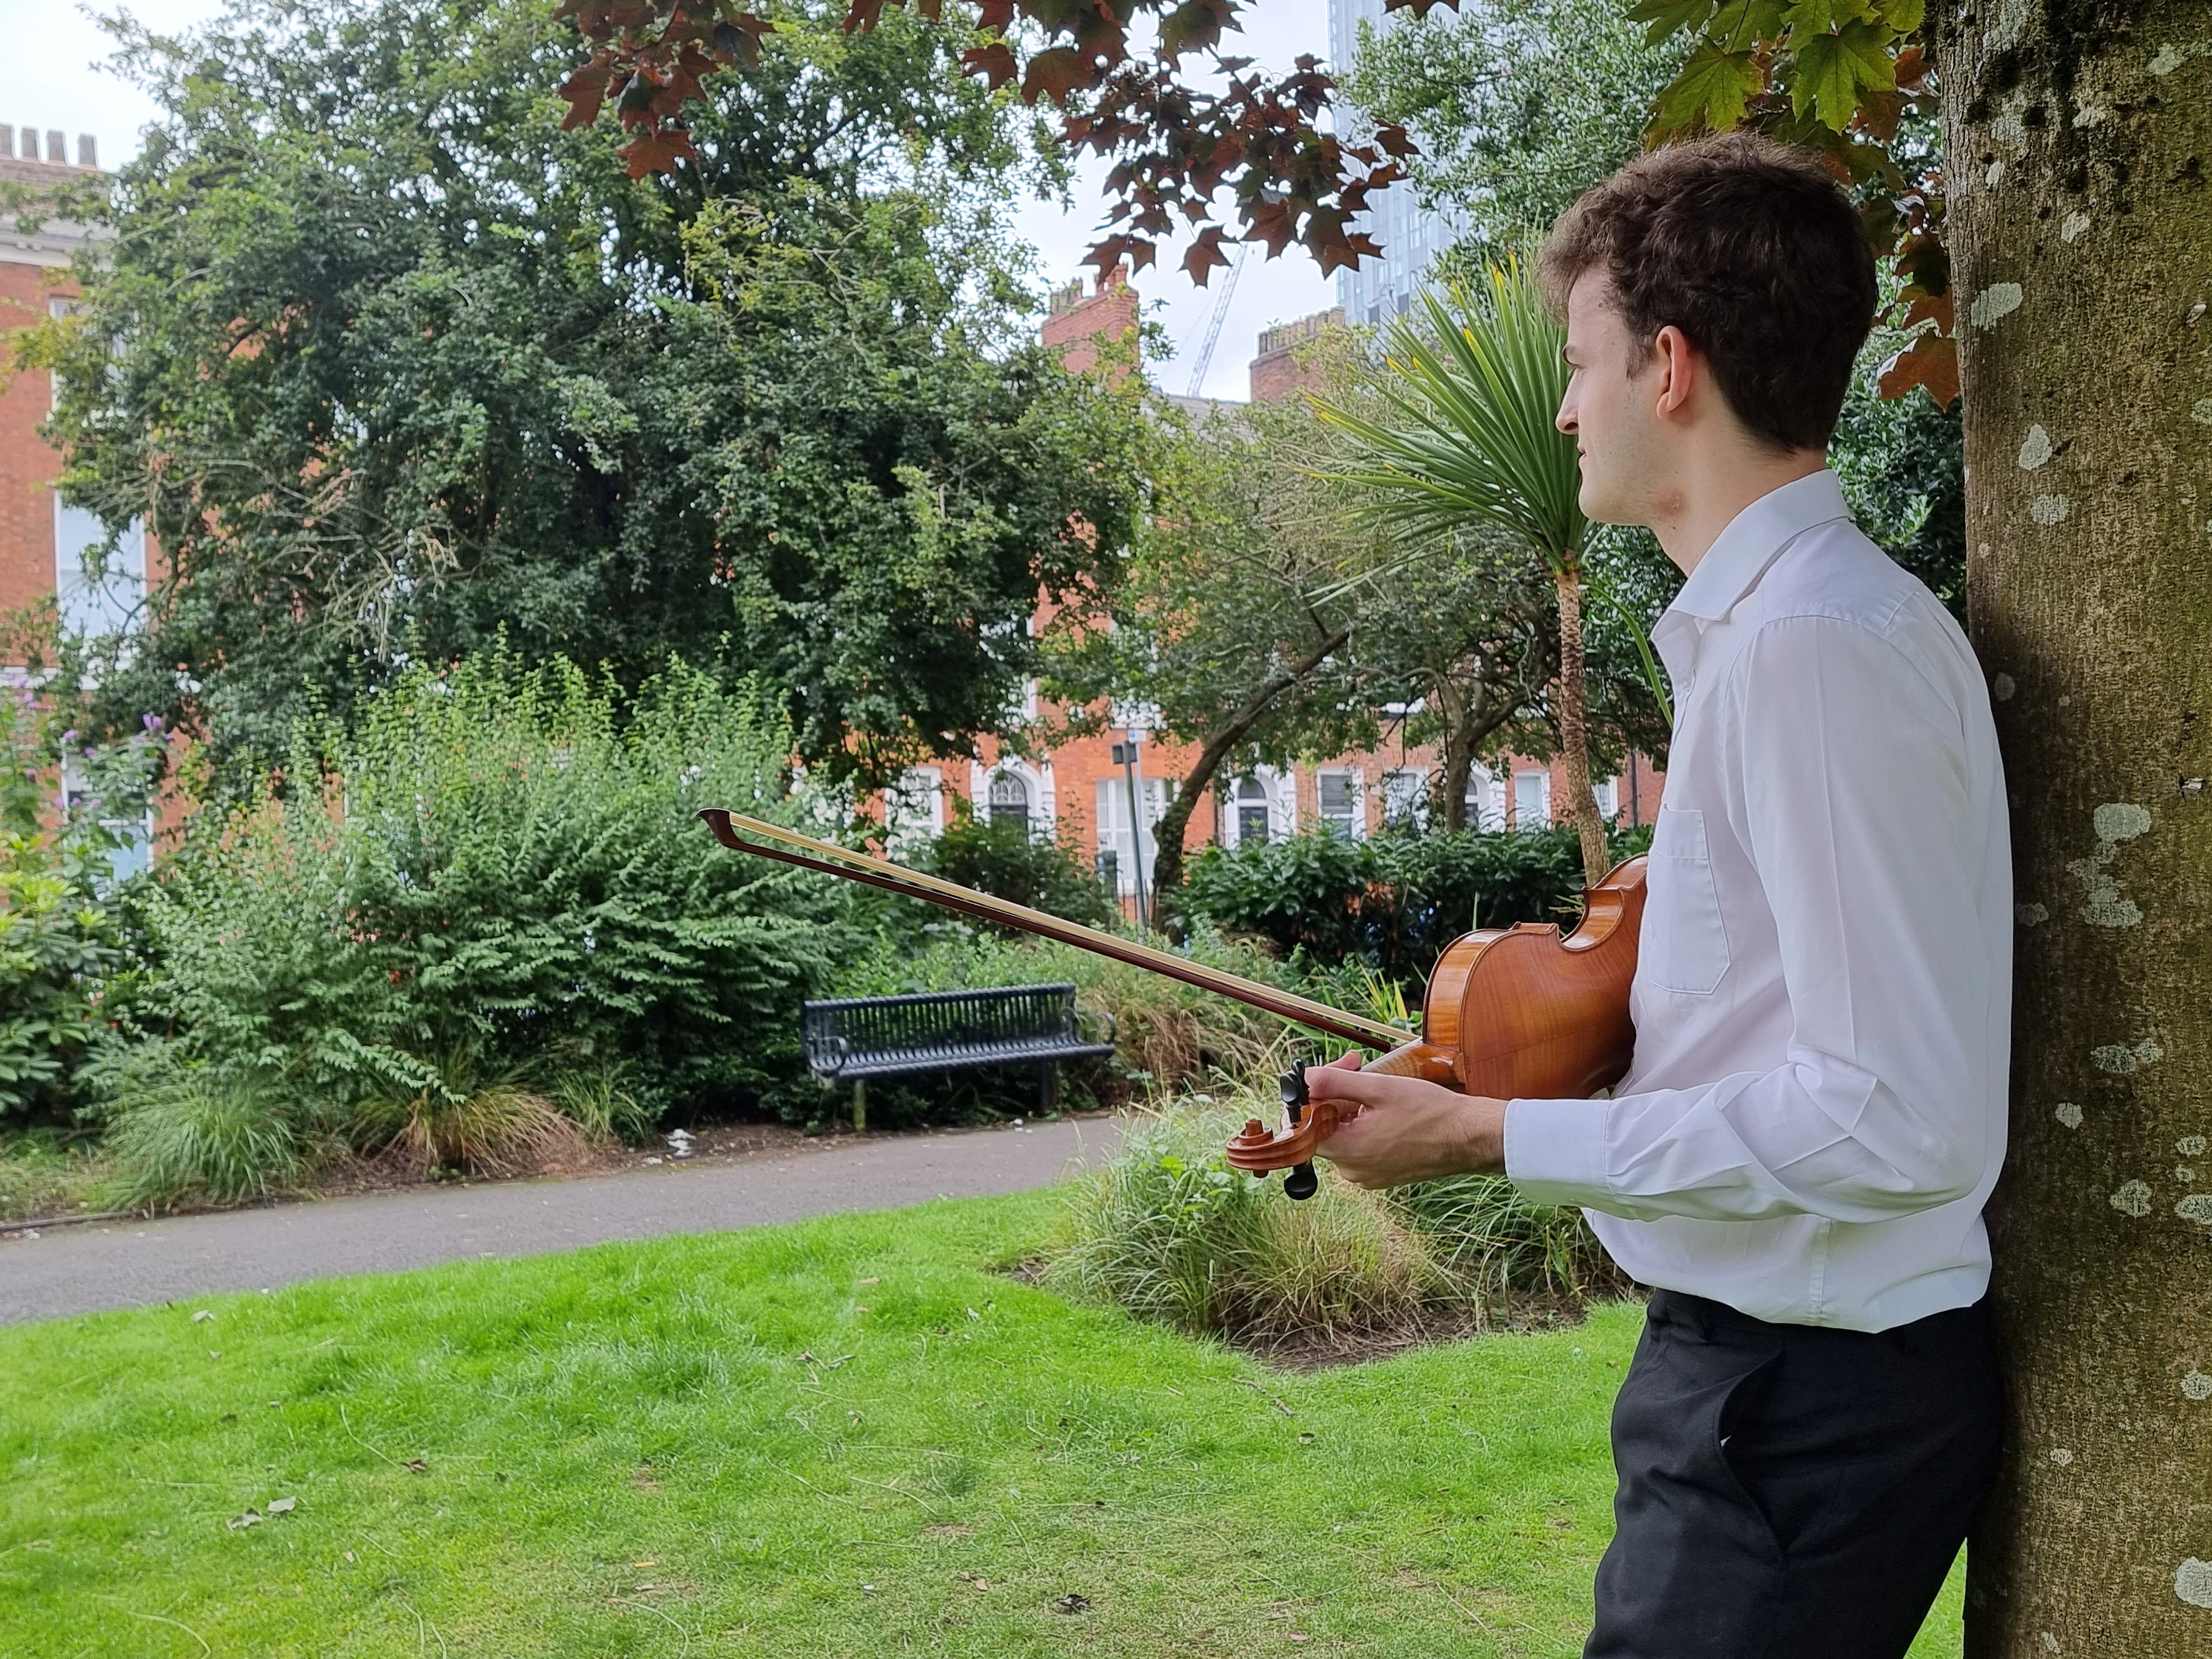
{"points": [[1816, 1110]]}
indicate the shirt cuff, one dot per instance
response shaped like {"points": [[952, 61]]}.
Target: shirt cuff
{"points": [[1555, 1150]]}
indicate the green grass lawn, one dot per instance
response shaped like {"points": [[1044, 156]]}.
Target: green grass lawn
{"points": [[846, 1437]]}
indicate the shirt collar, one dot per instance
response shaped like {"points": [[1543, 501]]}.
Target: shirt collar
{"points": [[1740, 554]]}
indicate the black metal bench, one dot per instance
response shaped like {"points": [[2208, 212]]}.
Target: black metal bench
{"points": [[852, 1039]]}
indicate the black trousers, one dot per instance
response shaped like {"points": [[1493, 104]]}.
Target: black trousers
{"points": [[1789, 1491]]}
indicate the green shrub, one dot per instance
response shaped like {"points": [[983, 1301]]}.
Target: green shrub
{"points": [[1001, 857], [498, 873], [189, 1131], [62, 941], [1392, 901]]}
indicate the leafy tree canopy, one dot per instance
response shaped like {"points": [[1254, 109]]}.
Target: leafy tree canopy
{"points": [[393, 366], [1518, 106]]}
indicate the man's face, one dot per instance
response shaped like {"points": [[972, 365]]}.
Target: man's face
{"points": [[1611, 408]]}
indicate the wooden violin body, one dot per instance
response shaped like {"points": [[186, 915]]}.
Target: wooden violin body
{"points": [[1518, 1012]]}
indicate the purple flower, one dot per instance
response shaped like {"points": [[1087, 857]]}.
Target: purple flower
{"points": [[69, 736], [151, 722]]}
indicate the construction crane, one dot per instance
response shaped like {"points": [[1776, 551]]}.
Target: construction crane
{"points": [[1220, 316]]}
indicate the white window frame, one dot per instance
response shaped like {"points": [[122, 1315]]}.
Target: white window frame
{"points": [[1486, 799], [1355, 827], [914, 808], [114, 604], [1405, 796], [1542, 781]]}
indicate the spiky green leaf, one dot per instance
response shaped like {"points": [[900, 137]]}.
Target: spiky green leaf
{"points": [[1474, 385], [1712, 89], [1832, 70], [1662, 18]]}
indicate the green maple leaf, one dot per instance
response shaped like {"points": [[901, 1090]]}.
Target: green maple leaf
{"points": [[1662, 18], [1905, 16], [1810, 17], [1741, 23], [1831, 71], [1713, 87]]}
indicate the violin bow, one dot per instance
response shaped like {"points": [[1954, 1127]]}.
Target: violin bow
{"points": [[741, 834]]}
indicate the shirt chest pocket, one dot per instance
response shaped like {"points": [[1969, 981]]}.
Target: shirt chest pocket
{"points": [[1684, 947]]}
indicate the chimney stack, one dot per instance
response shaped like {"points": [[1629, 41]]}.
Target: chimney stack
{"points": [[56, 150]]}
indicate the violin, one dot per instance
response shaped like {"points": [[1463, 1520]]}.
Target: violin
{"points": [[1514, 1012]]}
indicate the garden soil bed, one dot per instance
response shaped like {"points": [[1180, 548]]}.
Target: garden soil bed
{"points": [[1319, 1351]]}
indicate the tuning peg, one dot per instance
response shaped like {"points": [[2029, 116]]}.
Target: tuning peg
{"points": [[1300, 1182]]}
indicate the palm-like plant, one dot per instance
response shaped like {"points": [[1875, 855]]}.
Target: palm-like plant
{"points": [[1465, 437]]}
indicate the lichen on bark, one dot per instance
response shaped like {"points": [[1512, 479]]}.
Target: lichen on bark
{"points": [[2083, 267]]}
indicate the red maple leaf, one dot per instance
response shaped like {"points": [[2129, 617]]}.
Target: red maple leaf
{"points": [[994, 62], [655, 149], [1931, 361], [586, 89], [1205, 254]]}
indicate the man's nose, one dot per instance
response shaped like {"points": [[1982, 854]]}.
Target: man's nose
{"points": [[1564, 419]]}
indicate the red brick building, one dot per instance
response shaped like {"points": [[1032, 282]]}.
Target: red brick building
{"points": [[44, 542], [1077, 789]]}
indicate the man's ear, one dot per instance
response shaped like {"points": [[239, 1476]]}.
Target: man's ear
{"points": [[1678, 371]]}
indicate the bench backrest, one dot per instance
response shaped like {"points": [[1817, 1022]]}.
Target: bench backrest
{"points": [[845, 1028]]}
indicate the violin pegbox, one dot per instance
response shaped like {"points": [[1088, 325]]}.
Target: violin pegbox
{"points": [[1305, 1126]]}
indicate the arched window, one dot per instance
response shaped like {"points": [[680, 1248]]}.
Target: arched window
{"points": [[1010, 799], [1251, 811]]}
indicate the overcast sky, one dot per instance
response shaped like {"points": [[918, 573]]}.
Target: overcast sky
{"points": [[73, 88]]}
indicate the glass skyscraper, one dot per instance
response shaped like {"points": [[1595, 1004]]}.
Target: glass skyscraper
{"points": [[1412, 236]]}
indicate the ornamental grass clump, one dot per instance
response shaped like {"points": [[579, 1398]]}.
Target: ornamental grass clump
{"points": [[1169, 1232], [461, 1120], [209, 1134]]}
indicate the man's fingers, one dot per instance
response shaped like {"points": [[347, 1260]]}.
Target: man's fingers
{"points": [[1328, 1083]]}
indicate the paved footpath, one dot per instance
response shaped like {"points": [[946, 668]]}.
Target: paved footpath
{"points": [[124, 1264]]}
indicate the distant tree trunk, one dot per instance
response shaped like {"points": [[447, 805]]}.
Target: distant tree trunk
{"points": [[1574, 727], [1167, 832], [1468, 720], [2078, 142]]}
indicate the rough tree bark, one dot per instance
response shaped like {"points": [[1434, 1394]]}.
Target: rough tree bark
{"points": [[1167, 832], [1574, 727], [2077, 138]]}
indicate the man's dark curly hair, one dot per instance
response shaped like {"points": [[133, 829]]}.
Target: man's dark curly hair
{"points": [[1752, 249]]}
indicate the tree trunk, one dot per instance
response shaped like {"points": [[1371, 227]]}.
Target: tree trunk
{"points": [[1468, 722], [1459, 749], [2078, 140], [1574, 728], [1167, 832]]}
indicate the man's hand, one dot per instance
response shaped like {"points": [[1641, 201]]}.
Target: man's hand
{"points": [[1410, 1130]]}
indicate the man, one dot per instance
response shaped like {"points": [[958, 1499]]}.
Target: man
{"points": [[1798, 1159]]}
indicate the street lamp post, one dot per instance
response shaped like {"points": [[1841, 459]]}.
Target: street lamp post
{"points": [[1125, 756]]}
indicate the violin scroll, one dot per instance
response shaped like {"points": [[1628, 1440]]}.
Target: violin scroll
{"points": [[1255, 1152]]}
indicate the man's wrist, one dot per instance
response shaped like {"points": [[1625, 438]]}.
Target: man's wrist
{"points": [[1483, 1135]]}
